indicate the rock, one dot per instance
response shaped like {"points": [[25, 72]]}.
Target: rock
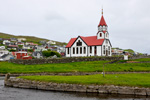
{"points": [[140, 91], [125, 90], [148, 91], [103, 89], [7, 76]]}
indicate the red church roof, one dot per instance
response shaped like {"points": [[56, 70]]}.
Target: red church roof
{"points": [[90, 41], [102, 22], [72, 40]]}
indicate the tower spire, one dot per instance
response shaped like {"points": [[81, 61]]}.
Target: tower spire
{"points": [[102, 10]]}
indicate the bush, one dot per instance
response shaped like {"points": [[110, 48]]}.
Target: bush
{"points": [[20, 46], [12, 50], [50, 53], [30, 50]]}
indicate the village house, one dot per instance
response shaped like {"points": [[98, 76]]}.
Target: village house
{"points": [[21, 39], [30, 43], [13, 39], [6, 41], [12, 47], [28, 47], [40, 47], [21, 55], [3, 51], [98, 45], [37, 54], [20, 43], [51, 42], [117, 51]]}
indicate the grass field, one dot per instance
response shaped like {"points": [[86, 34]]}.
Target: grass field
{"points": [[139, 80], [90, 66]]}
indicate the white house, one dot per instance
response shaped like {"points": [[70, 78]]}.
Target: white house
{"points": [[51, 42], [21, 39], [6, 41], [98, 45], [3, 51]]}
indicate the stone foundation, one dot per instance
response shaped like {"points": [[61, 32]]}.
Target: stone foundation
{"points": [[111, 89]]}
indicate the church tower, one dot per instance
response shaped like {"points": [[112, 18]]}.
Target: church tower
{"points": [[102, 29]]}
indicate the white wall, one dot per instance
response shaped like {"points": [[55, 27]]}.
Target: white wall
{"points": [[98, 35], [107, 45], [99, 50], [75, 46]]}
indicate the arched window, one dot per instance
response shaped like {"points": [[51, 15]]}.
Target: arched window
{"points": [[90, 49], [100, 34], [84, 50], [77, 51], [68, 50], [104, 49], [106, 34], [109, 50], [80, 50], [73, 50], [79, 43]]}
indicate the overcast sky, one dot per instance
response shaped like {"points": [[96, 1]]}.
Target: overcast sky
{"points": [[60, 20]]}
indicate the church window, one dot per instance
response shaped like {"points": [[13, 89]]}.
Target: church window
{"points": [[106, 41], [104, 49], [84, 50], [77, 51], [73, 50], [109, 50], [68, 50], [100, 34], [79, 43], [80, 50], [90, 49]]}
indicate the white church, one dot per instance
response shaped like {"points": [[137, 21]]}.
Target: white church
{"points": [[98, 45]]}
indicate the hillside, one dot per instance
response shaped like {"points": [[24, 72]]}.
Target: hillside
{"points": [[29, 38]]}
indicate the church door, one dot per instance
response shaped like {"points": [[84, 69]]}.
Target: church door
{"points": [[106, 52]]}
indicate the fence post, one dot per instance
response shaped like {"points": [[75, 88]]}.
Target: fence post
{"points": [[103, 70]]}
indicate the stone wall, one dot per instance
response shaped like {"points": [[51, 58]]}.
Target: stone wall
{"points": [[69, 73], [69, 60], [22, 83]]}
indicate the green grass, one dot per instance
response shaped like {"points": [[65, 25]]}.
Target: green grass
{"points": [[140, 80], [142, 59], [89, 66], [6, 67]]}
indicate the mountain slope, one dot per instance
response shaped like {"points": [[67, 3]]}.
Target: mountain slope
{"points": [[29, 38]]}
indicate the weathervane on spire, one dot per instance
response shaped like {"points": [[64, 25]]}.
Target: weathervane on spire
{"points": [[102, 10]]}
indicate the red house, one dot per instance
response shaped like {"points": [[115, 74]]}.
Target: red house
{"points": [[22, 55]]}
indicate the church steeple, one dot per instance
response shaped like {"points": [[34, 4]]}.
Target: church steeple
{"points": [[102, 29], [102, 26]]}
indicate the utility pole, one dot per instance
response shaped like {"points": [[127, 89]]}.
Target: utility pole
{"points": [[103, 70]]}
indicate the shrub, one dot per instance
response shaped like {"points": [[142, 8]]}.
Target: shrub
{"points": [[12, 50], [50, 53], [30, 50]]}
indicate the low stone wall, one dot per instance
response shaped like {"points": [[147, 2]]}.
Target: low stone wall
{"points": [[70, 73], [28, 84], [69, 60]]}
